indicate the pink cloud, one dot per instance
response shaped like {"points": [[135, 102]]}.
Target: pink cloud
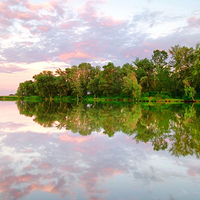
{"points": [[44, 166], [194, 22], [96, 198], [24, 16], [28, 167], [68, 138], [27, 27], [70, 24], [80, 150], [4, 22], [88, 11], [46, 188], [28, 43], [28, 150], [12, 2], [110, 172], [68, 56], [80, 44], [41, 6], [194, 171], [149, 45], [11, 180], [33, 182], [44, 28], [89, 182], [11, 69], [8, 14], [110, 22], [4, 10], [7, 11], [10, 126]]}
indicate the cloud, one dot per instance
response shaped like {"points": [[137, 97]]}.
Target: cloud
{"points": [[68, 138], [41, 6], [44, 28], [194, 170], [11, 69], [67, 56], [150, 18], [54, 31], [194, 22], [10, 126]]}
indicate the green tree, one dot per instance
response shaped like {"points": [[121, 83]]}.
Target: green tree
{"points": [[161, 72], [26, 89], [159, 58], [182, 63], [126, 69], [189, 91], [145, 74], [131, 88], [110, 83], [79, 77], [196, 70], [62, 86], [45, 84], [93, 84]]}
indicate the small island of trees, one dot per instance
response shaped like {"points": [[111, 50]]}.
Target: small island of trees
{"points": [[177, 76]]}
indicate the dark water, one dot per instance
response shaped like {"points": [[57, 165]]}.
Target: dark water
{"points": [[96, 152]]}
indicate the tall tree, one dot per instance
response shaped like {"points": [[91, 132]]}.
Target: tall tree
{"points": [[110, 83], [182, 62], [26, 89], [159, 58], [196, 70], [145, 73], [161, 71], [93, 85], [79, 77], [130, 87], [45, 84]]}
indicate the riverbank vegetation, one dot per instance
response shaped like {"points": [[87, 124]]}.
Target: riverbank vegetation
{"points": [[164, 76], [9, 98]]}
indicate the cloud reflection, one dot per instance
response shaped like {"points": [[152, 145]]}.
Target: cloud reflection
{"points": [[66, 165]]}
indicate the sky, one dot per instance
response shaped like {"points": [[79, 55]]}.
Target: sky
{"points": [[37, 35]]}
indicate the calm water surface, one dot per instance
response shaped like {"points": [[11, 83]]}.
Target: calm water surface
{"points": [[96, 152]]}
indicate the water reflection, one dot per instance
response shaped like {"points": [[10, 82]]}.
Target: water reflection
{"points": [[175, 127], [98, 152]]}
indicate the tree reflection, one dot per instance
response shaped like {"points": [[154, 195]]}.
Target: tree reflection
{"points": [[172, 127], [186, 140]]}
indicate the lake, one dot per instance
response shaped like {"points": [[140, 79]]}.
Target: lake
{"points": [[54, 151]]}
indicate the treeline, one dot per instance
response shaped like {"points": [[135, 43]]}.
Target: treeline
{"points": [[176, 76]]}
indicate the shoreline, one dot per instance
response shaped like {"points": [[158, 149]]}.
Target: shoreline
{"points": [[99, 99]]}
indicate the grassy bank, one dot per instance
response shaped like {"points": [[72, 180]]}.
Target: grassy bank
{"points": [[8, 98], [99, 99], [167, 100]]}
